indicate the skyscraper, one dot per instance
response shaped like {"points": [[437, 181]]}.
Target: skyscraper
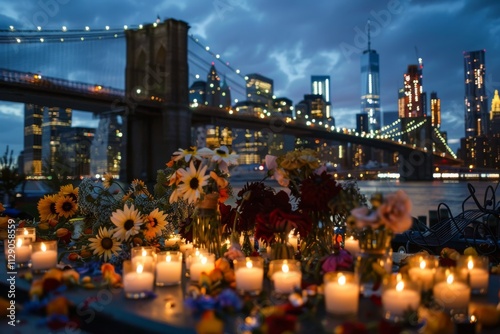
{"points": [[32, 154], [260, 89], [56, 121], [476, 101], [435, 110], [495, 115], [370, 86], [213, 92], [320, 85], [412, 85]]}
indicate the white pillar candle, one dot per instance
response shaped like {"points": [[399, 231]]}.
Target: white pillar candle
{"points": [[351, 245], [174, 239], [168, 268], [249, 278], [341, 295], [422, 275], [285, 281], [478, 279], [144, 255], [23, 250], [477, 268], [138, 282], [44, 257], [398, 300], [451, 294], [185, 247], [202, 264]]}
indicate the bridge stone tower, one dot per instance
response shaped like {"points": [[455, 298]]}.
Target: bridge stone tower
{"points": [[156, 73], [417, 165]]}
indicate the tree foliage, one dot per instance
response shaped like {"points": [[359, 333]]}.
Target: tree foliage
{"points": [[9, 174]]}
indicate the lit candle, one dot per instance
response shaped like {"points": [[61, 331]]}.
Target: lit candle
{"points": [[294, 241], [23, 250], [185, 247], [341, 294], [351, 245], [478, 277], [285, 281], [174, 239], [452, 294], [204, 263], [26, 232], [144, 255], [398, 300], [249, 277], [422, 275], [138, 282], [168, 268], [44, 256]]}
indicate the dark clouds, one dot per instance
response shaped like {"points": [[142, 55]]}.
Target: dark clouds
{"points": [[289, 41]]}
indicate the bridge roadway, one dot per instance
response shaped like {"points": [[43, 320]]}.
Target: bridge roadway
{"points": [[30, 88]]}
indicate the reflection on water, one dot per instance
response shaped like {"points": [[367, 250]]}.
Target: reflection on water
{"points": [[425, 196]]}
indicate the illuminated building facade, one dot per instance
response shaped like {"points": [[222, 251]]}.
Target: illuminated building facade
{"points": [[370, 87], [320, 85], [105, 154], [495, 115], [476, 101], [56, 121], [197, 93], [413, 105], [213, 89], [259, 89], [76, 146], [32, 154], [435, 110]]}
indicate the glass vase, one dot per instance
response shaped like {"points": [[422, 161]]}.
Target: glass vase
{"points": [[207, 228], [374, 259], [282, 251]]}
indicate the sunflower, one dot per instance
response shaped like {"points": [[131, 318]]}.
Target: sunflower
{"points": [[155, 223], [108, 180], [127, 221], [68, 190], [47, 207], [65, 207], [104, 244], [192, 182]]}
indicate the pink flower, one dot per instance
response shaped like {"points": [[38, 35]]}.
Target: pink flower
{"points": [[365, 217], [271, 162], [394, 212], [335, 262]]}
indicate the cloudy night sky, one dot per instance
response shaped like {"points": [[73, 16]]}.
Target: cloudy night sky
{"points": [[285, 40]]}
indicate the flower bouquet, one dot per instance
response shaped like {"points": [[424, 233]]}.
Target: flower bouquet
{"points": [[374, 229], [198, 179]]}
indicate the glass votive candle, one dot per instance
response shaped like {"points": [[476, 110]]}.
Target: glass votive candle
{"points": [[421, 270], [43, 256], [191, 255], [168, 268], [351, 245], [477, 267], [285, 275], [173, 240], [399, 296], [249, 274], [26, 232], [205, 262], [23, 252], [341, 293], [138, 280], [451, 291], [145, 254]]}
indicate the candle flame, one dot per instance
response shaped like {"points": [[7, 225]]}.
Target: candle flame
{"points": [[139, 268], [249, 264], [285, 268], [19, 242], [25, 231], [470, 265], [144, 253], [44, 248], [449, 279], [342, 280], [400, 286], [203, 259], [422, 265], [399, 277], [168, 258]]}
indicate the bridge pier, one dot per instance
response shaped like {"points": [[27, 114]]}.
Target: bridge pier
{"points": [[417, 165], [156, 73]]}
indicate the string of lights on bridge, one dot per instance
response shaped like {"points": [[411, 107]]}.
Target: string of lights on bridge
{"points": [[40, 35]]}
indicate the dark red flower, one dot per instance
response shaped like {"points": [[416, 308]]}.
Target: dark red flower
{"points": [[280, 222], [316, 191], [340, 261], [278, 323]]}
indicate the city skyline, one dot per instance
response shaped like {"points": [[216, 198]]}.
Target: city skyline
{"points": [[295, 47]]}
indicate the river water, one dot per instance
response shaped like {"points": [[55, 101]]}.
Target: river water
{"points": [[425, 196]]}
